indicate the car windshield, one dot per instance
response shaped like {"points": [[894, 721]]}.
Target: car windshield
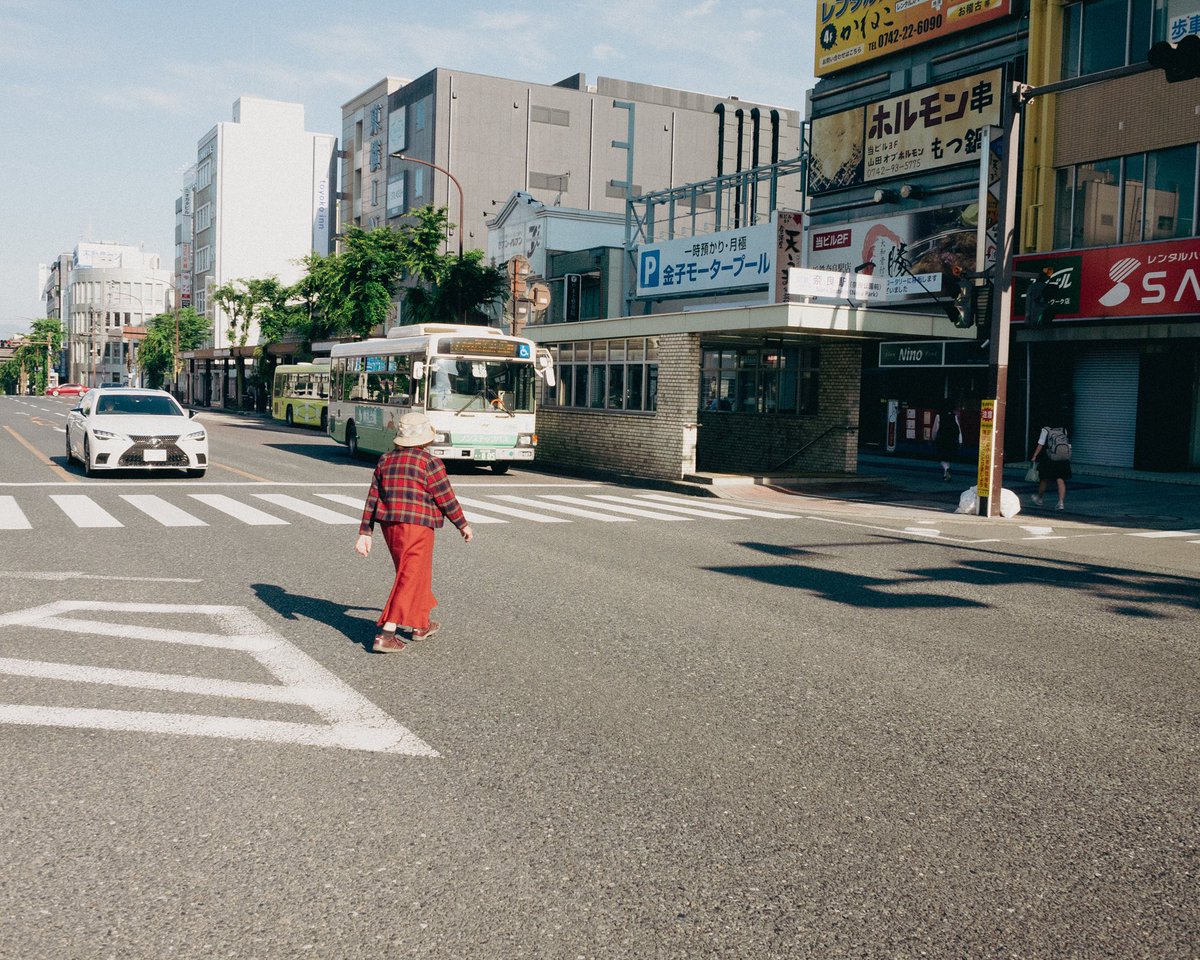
{"points": [[138, 405], [474, 385]]}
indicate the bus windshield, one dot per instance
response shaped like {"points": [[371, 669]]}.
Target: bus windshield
{"points": [[463, 386]]}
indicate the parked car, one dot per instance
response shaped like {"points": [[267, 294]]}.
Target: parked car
{"points": [[67, 390], [132, 429]]}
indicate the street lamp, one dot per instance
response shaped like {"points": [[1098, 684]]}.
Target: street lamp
{"points": [[404, 156]]}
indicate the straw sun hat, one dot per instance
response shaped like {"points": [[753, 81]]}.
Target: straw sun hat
{"points": [[414, 430]]}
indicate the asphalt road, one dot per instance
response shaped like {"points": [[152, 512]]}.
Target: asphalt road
{"points": [[843, 729]]}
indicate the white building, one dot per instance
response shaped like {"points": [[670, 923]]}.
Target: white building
{"points": [[112, 290], [263, 199]]}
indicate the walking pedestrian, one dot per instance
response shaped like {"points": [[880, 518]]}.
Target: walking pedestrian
{"points": [[410, 497], [1053, 459], [947, 436]]}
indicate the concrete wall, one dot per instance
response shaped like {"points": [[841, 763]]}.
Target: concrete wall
{"points": [[657, 445], [660, 445], [757, 443]]}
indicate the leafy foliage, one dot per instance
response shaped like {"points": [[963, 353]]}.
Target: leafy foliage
{"points": [[32, 357], [158, 347]]}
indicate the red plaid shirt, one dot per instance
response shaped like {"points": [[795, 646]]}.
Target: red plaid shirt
{"points": [[410, 486]]}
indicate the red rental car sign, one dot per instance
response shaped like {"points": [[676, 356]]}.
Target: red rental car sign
{"points": [[1134, 280]]}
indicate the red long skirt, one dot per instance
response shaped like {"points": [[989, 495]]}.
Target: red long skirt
{"points": [[411, 599]]}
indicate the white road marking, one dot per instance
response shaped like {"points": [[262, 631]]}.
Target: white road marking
{"points": [[76, 575], [509, 511], [690, 511], [351, 722], [353, 502], [923, 531], [165, 513], [632, 511], [1163, 534], [303, 507], [84, 511], [1038, 531], [11, 516], [559, 508], [895, 532], [723, 505], [238, 510]]}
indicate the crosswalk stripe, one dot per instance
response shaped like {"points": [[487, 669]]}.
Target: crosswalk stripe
{"points": [[724, 505], [632, 511], [358, 502], [1162, 534], [84, 511], [509, 511], [559, 508], [11, 516], [313, 510], [238, 510], [165, 513], [690, 511]]}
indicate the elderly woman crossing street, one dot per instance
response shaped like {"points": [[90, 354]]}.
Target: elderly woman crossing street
{"points": [[410, 497]]}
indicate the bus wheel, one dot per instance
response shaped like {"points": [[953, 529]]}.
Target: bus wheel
{"points": [[288, 417], [324, 419], [500, 468], [351, 441]]}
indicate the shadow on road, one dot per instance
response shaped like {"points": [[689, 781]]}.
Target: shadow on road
{"points": [[292, 606], [1127, 592]]}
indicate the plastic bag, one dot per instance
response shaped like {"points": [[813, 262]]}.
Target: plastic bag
{"points": [[1031, 475], [968, 502]]}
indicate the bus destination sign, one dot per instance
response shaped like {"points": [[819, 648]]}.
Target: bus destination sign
{"points": [[483, 347]]}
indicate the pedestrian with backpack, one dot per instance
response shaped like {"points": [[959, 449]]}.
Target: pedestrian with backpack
{"points": [[1053, 459]]}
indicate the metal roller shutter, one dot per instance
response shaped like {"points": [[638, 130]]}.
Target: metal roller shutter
{"points": [[1106, 391]]}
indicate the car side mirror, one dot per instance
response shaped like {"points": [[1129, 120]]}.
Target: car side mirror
{"points": [[418, 370], [191, 413]]}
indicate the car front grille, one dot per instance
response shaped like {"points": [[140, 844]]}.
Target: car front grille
{"points": [[134, 456]]}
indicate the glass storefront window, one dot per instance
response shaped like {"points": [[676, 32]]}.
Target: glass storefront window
{"points": [[1170, 193]]}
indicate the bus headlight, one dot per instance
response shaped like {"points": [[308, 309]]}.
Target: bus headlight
{"points": [[439, 437], [526, 439]]}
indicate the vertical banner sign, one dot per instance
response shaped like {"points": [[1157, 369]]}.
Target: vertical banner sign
{"points": [[987, 441], [789, 247]]}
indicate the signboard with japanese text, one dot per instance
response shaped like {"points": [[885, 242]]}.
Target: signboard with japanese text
{"points": [[987, 451], [789, 249], [857, 286], [908, 134], [856, 31], [932, 240], [729, 260], [1134, 280]]}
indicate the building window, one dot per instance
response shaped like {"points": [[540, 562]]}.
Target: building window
{"points": [[1144, 196], [606, 374], [768, 378], [203, 217], [1102, 34], [551, 115]]}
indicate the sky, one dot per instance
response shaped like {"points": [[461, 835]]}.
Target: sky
{"points": [[102, 102]]}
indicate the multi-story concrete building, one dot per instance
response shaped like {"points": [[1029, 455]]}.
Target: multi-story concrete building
{"points": [[555, 142], [1108, 203], [263, 199], [113, 289], [56, 279]]}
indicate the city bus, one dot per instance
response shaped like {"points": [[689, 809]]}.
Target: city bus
{"points": [[300, 394], [476, 385]]}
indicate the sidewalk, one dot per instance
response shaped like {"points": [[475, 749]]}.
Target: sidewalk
{"points": [[1111, 496]]}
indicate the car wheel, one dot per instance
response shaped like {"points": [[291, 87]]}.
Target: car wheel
{"points": [[288, 417], [70, 455], [352, 441], [500, 468], [87, 459]]}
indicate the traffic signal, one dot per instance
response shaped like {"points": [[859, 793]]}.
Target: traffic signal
{"points": [[960, 305], [1180, 61], [1039, 310]]}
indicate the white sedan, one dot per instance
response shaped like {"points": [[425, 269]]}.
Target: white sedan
{"points": [[134, 430]]}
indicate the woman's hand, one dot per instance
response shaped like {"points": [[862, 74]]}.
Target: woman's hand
{"points": [[362, 545], [467, 533]]}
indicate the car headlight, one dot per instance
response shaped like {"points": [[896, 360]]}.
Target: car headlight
{"points": [[198, 435], [106, 435]]}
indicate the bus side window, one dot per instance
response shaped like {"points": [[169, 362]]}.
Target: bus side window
{"points": [[322, 380]]}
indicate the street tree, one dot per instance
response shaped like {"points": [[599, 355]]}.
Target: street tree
{"points": [[34, 356], [158, 348]]}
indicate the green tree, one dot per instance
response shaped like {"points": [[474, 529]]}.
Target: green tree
{"points": [[357, 286], [158, 347], [463, 295], [37, 354]]}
